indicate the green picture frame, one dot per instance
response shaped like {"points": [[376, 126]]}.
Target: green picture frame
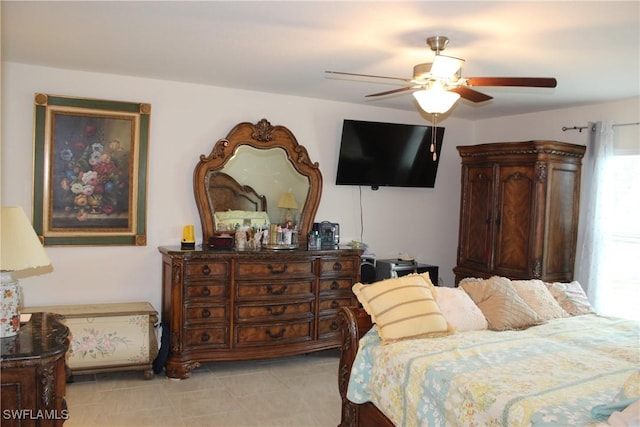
{"points": [[90, 171]]}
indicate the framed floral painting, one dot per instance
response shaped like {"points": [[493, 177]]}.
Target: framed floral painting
{"points": [[90, 171]]}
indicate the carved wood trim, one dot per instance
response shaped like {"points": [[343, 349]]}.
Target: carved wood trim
{"points": [[47, 384], [537, 147], [541, 172]]}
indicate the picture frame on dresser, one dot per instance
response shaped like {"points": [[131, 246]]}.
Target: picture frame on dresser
{"points": [[90, 171]]}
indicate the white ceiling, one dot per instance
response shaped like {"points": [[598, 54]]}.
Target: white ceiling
{"points": [[592, 48]]}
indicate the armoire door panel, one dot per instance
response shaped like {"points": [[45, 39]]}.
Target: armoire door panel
{"points": [[477, 222], [514, 219], [562, 220]]}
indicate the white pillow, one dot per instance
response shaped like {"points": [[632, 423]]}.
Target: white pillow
{"points": [[571, 297], [539, 298], [459, 309]]}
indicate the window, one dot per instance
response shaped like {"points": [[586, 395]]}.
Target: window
{"points": [[619, 295]]}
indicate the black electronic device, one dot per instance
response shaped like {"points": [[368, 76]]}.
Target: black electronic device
{"points": [[329, 233], [391, 268], [368, 268], [380, 154]]}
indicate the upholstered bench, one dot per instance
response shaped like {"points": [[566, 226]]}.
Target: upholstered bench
{"points": [[109, 337]]}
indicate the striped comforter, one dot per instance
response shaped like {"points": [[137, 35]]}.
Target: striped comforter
{"points": [[551, 374]]}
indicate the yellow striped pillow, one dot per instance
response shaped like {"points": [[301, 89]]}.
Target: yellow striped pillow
{"points": [[403, 307]]}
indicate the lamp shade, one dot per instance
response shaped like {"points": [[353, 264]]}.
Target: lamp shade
{"points": [[288, 201], [21, 249], [435, 100]]}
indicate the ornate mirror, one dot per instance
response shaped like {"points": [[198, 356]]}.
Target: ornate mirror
{"points": [[261, 172]]}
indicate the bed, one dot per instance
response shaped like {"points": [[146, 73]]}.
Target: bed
{"points": [[567, 367]]}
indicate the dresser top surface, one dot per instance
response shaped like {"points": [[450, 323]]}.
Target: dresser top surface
{"points": [[301, 252]]}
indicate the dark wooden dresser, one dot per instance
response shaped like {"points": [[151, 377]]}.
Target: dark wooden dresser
{"points": [[519, 210], [33, 377], [232, 305]]}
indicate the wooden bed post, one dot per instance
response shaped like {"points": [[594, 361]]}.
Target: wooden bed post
{"points": [[354, 322], [348, 350]]}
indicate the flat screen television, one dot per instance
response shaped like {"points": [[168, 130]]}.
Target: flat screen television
{"points": [[380, 154]]}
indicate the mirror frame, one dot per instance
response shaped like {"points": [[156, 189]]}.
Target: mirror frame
{"points": [[263, 136]]}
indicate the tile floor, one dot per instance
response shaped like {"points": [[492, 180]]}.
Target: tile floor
{"points": [[300, 391]]}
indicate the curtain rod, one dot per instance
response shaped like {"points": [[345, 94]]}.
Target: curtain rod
{"points": [[593, 128]]}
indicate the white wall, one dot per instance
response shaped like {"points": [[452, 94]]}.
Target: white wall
{"points": [[186, 121], [548, 125]]}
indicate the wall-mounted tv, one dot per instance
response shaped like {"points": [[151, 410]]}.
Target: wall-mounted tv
{"points": [[380, 154]]}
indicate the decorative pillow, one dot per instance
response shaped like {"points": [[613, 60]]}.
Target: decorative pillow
{"points": [[537, 296], [571, 297], [403, 307], [459, 310], [501, 304]]}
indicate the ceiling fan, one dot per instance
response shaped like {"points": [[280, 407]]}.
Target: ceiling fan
{"points": [[440, 83]]}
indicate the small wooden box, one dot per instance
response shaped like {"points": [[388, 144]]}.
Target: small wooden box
{"points": [[109, 337]]}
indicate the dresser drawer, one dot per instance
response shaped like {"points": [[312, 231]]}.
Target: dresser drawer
{"points": [[205, 313], [328, 326], [207, 337], [205, 290], [296, 289], [331, 285], [205, 269], [267, 312], [333, 304], [333, 266], [275, 333], [284, 269]]}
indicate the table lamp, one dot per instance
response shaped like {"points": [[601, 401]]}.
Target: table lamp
{"points": [[20, 250], [287, 202]]}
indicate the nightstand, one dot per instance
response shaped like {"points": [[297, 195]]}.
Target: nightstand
{"points": [[33, 377]]}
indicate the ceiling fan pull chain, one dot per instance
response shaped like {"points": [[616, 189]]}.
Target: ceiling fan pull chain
{"points": [[433, 137]]}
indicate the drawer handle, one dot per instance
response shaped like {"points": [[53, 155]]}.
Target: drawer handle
{"points": [[334, 326], [276, 335], [206, 312], [205, 291], [206, 270], [277, 312], [280, 291], [205, 337], [274, 271], [335, 285], [335, 304], [337, 266]]}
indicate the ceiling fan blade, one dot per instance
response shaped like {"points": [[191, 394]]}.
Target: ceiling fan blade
{"points": [[470, 94], [512, 81], [389, 92], [340, 73]]}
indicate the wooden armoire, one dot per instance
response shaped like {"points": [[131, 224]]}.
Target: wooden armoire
{"points": [[519, 210]]}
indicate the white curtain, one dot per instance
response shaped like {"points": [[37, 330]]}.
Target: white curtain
{"points": [[590, 268]]}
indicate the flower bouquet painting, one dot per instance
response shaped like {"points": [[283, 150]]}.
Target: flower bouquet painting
{"points": [[90, 165], [91, 172]]}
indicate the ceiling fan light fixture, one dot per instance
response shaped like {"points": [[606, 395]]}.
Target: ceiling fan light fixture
{"points": [[445, 66], [435, 101]]}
